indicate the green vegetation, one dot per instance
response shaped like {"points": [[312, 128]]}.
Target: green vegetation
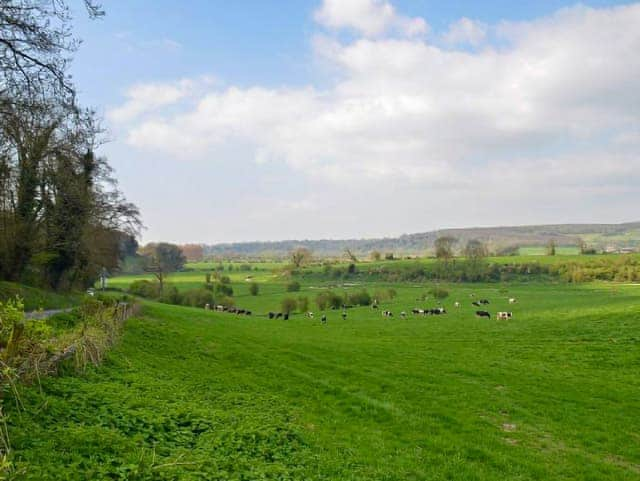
{"points": [[191, 394], [34, 298]]}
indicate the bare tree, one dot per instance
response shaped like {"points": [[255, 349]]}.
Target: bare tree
{"points": [[301, 256], [444, 247]]}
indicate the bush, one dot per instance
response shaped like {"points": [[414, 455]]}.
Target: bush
{"points": [[171, 295], [361, 298], [439, 293], [351, 269], [143, 288], [222, 289], [303, 304], [197, 297], [254, 288], [293, 286], [225, 301], [384, 294], [329, 299], [289, 305]]}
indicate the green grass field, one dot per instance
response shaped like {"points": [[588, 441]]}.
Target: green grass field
{"points": [[190, 394]]}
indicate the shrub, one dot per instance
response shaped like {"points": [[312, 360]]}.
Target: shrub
{"points": [[254, 288], [197, 297], [360, 298], [171, 295], [288, 305], [351, 269], [329, 299], [293, 286], [222, 289], [439, 292], [303, 304], [144, 288], [225, 301]]}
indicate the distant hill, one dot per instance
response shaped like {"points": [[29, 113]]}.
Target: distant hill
{"points": [[599, 236]]}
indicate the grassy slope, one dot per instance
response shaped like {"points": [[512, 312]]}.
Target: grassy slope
{"points": [[36, 298], [551, 394]]}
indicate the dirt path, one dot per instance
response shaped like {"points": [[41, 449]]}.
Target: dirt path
{"points": [[45, 314]]}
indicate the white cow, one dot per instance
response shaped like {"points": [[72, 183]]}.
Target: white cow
{"points": [[504, 316], [512, 300]]}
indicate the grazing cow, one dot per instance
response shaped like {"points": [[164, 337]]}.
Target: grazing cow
{"points": [[310, 315], [241, 311], [324, 319], [504, 316], [483, 314], [387, 313], [415, 310], [484, 301], [456, 304], [278, 315], [219, 308], [436, 311], [403, 314], [248, 313], [232, 310], [476, 303], [286, 316], [272, 315], [512, 300], [374, 306]]}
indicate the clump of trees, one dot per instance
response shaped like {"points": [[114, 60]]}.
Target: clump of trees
{"points": [[254, 288], [192, 252], [63, 219]]}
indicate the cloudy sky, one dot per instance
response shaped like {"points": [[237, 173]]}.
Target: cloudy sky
{"points": [[259, 120]]}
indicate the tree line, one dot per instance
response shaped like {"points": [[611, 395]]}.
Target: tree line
{"points": [[62, 217]]}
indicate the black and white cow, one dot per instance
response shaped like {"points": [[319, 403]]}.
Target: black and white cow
{"points": [[483, 314]]}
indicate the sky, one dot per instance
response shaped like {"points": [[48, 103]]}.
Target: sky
{"points": [[267, 120]]}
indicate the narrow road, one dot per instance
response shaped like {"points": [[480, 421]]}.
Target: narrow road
{"points": [[45, 314]]}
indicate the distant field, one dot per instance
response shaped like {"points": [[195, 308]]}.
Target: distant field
{"points": [[542, 250], [271, 272], [190, 394]]}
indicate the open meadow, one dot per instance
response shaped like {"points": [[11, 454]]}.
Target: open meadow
{"points": [[195, 394]]}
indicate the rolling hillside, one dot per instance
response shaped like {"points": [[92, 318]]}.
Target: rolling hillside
{"points": [[598, 236]]}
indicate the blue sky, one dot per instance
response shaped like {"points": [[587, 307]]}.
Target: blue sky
{"points": [[265, 120]]}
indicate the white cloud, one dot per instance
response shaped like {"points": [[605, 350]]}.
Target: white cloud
{"points": [[368, 17], [543, 111], [466, 32], [149, 97]]}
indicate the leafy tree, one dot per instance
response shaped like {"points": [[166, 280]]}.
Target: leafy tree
{"points": [[162, 259], [551, 247], [301, 257], [375, 255], [254, 288]]}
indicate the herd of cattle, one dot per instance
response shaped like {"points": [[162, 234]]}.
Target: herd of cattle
{"points": [[435, 311]]}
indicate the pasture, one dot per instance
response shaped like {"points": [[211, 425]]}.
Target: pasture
{"points": [[195, 394]]}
